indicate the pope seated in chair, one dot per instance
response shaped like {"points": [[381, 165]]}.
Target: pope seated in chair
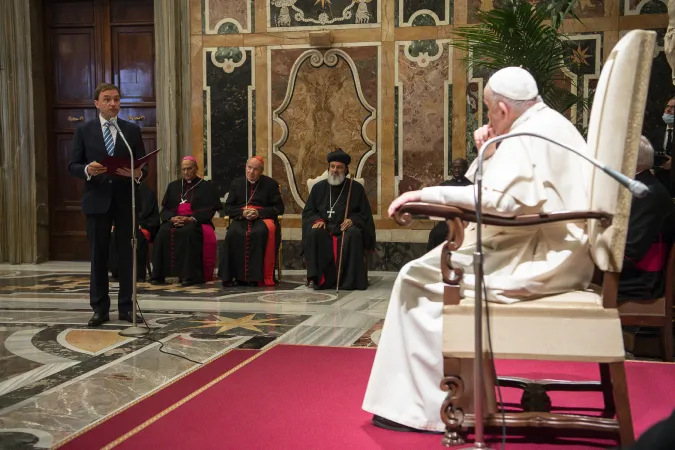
{"points": [[324, 224], [522, 176], [254, 205], [185, 246]]}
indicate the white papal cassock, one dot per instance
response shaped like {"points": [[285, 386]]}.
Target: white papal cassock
{"points": [[525, 175]]}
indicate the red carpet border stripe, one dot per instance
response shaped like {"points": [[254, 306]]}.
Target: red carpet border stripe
{"points": [[125, 408], [150, 421]]}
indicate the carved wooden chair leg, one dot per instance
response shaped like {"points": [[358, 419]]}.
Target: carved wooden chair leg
{"points": [[451, 414], [623, 414], [607, 391]]}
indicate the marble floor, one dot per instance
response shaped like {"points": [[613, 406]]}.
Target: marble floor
{"points": [[57, 376]]}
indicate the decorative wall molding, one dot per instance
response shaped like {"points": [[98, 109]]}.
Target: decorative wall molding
{"points": [[422, 56], [286, 15], [423, 16], [227, 25], [316, 59], [229, 59], [639, 7]]}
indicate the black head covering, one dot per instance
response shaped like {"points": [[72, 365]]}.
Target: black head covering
{"points": [[339, 156]]}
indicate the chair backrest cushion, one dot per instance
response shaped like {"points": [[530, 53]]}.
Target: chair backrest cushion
{"points": [[613, 136], [312, 181]]}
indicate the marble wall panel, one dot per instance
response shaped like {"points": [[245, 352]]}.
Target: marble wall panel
{"points": [[639, 7], [227, 16], [660, 91], [323, 100], [423, 89], [417, 13], [286, 15], [229, 99]]}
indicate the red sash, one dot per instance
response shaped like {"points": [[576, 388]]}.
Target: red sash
{"points": [[270, 249], [209, 245]]}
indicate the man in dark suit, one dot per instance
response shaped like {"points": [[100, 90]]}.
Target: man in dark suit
{"points": [[106, 200]]}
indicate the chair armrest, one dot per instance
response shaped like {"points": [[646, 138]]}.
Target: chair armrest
{"points": [[404, 215]]}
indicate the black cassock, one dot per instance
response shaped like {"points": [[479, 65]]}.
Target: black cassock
{"points": [[439, 233], [248, 255], [148, 220], [322, 246], [651, 230], [178, 251]]}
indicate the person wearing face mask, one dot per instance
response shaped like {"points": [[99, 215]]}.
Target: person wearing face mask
{"points": [[253, 204], [663, 148], [324, 224], [185, 245], [524, 175]]}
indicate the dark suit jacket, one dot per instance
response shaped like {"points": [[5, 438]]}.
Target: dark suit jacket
{"points": [[88, 146], [666, 177]]}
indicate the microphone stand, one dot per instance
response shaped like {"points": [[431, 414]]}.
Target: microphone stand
{"points": [[134, 330], [637, 188]]}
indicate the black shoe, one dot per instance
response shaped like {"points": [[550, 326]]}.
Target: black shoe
{"points": [[158, 281], [188, 283], [98, 319], [140, 280], [129, 317], [312, 285], [387, 424], [228, 284]]}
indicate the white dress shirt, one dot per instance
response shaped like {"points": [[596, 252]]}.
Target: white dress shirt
{"points": [[113, 131]]}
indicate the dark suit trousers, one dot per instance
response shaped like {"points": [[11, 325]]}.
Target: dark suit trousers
{"points": [[98, 232]]}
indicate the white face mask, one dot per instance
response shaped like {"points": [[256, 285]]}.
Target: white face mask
{"points": [[668, 119]]}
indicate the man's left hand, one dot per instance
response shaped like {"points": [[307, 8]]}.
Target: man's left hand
{"points": [[346, 224], [408, 197], [252, 215], [127, 172]]}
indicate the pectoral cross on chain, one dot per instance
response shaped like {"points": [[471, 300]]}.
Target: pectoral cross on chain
{"points": [[330, 213]]}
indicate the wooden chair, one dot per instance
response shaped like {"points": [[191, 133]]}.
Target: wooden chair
{"points": [[579, 326], [655, 313]]}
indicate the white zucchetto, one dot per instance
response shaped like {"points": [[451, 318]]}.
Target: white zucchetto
{"points": [[514, 83]]}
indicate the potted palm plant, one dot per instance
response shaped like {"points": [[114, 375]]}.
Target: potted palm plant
{"points": [[519, 33]]}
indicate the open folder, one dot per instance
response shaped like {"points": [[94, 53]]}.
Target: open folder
{"points": [[112, 163]]}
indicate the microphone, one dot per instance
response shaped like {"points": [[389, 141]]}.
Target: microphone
{"points": [[635, 187], [134, 330]]}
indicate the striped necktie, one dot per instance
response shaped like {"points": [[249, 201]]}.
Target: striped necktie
{"points": [[108, 139]]}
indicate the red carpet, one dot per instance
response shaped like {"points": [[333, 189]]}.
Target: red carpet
{"points": [[298, 397], [129, 418]]}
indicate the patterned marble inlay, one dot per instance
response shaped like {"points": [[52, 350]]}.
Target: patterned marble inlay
{"points": [[322, 101], [227, 16], [229, 87], [285, 15], [417, 13], [423, 71], [636, 7]]}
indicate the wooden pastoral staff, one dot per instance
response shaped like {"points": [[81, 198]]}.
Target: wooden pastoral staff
{"points": [[579, 326]]}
